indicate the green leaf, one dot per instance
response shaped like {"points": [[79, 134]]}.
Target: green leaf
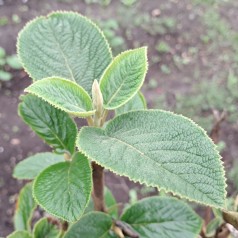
{"points": [[44, 229], [136, 103], [63, 94], [54, 126], [14, 62], [159, 148], [20, 234], [64, 189], [93, 224], [124, 77], [111, 203], [163, 217], [212, 226], [24, 209], [71, 47], [5, 76], [2, 52], [33, 165]]}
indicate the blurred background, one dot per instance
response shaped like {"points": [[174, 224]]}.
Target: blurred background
{"points": [[193, 59]]}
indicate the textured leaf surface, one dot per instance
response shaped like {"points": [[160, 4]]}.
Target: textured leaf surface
{"points": [[24, 208], [44, 229], [64, 189], [93, 224], [161, 149], [20, 234], [163, 217], [123, 77], [33, 165], [136, 103], [66, 45], [63, 94], [51, 124]]}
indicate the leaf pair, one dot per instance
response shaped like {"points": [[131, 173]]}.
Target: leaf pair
{"points": [[81, 55]]}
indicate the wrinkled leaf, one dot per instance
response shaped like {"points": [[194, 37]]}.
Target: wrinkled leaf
{"points": [[163, 217], [54, 126], [25, 207], [71, 47], [30, 167], [93, 224], [124, 77], [64, 189], [159, 148], [44, 229], [63, 94]]}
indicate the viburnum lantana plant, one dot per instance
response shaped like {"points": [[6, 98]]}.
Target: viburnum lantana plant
{"points": [[75, 76]]}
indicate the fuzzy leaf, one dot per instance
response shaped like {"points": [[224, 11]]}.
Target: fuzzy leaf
{"points": [[52, 125], [93, 224], [44, 229], [64, 44], [63, 94], [159, 148], [124, 77], [33, 165], [136, 103], [24, 209], [64, 189], [163, 217], [20, 234]]}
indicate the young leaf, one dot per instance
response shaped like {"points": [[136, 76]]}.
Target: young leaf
{"points": [[159, 148], [123, 78], [136, 103], [33, 165], [20, 234], [24, 209], [93, 224], [64, 189], [54, 126], [63, 94], [71, 47], [44, 229], [163, 217]]}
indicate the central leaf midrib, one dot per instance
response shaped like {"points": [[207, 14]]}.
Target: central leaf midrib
{"points": [[62, 52], [140, 152]]}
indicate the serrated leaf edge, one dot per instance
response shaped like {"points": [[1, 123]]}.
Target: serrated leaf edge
{"points": [[48, 16], [165, 198], [32, 128], [51, 213], [154, 185], [32, 210], [74, 113], [138, 88]]}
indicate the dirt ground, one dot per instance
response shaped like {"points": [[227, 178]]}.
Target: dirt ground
{"points": [[17, 141]]}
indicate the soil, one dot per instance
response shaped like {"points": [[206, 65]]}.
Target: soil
{"points": [[17, 141]]}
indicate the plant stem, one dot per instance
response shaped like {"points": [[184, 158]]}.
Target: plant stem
{"points": [[98, 187]]}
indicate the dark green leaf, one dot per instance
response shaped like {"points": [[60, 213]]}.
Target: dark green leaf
{"points": [[163, 217], [24, 209], [64, 189], [51, 124], [44, 229]]}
